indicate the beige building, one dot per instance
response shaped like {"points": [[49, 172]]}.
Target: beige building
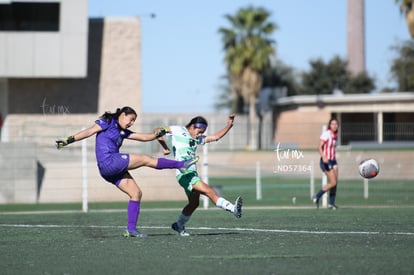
{"points": [[382, 119], [59, 70], [71, 66]]}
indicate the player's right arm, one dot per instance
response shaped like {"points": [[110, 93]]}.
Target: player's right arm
{"points": [[166, 150], [320, 149], [61, 142], [167, 131], [217, 136], [322, 143]]}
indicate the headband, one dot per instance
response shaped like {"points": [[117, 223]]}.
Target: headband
{"points": [[200, 125]]}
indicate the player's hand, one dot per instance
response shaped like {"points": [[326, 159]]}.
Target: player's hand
{"points": [[60, 142], [231, 119], [327, 166], [166, 151], [160, 131]]}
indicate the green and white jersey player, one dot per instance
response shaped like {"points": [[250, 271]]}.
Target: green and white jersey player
{"points": [[185, 146], [185, 140]]}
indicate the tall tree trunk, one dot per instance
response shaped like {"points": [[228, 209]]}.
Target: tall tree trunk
{"points": [[253, 124], [252, 83]]}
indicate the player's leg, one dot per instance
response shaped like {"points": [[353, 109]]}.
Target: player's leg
{"points": [[336, 172], [188, 210], [329, 186], [136, 161], [220, 202], [332, 191], [130, 187], [329, 172], [193, 203], [331, 180]]}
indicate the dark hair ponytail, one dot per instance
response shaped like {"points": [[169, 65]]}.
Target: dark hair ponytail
{"points": [[329, 122], [108, 116], [198, 122]]}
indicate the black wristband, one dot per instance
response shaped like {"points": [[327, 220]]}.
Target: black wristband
{"points": [[71, 139]]}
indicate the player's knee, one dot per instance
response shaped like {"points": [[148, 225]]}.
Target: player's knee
{"points": [[136, 195]]}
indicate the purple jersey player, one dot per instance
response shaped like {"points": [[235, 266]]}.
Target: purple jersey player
{"points": [[111, 129]]}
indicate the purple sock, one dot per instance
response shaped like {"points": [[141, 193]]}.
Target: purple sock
{"points": [[133, 214], [164, 163]]}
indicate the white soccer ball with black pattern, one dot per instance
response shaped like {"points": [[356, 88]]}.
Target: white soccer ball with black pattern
{"points": [[369, 168]]}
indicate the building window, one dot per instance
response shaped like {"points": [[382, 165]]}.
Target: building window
{"points": [[25, 16], [399, 126], [358, 127]]}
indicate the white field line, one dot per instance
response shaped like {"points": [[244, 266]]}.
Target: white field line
{"points": [[254, 230], [200, 209]]}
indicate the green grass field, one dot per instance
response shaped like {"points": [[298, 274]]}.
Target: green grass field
{"points": [[279, 191], [364, 236]]}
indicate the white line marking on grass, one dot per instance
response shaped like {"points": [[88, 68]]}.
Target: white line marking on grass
{"points": [[41, 212], [216, 228]]}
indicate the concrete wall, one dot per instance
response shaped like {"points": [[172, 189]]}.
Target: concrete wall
{"points": [[21, 174], [113, 81], [57, 96], [301, 128], [61, 53], [120, 75]]}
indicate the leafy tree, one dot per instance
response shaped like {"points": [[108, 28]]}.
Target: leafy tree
{"points": [[248, 50], [225, 100], [324, 78], [361, 83], [281, 75], [402, 68]]}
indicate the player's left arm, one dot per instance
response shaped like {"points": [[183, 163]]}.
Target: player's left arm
{"points": [[217, 136], [142, 136], [157, 133]]}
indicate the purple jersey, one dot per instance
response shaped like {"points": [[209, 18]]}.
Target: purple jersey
{"points": [[112, 165]]}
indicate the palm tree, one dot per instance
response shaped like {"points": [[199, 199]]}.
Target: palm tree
{"points": [[402, 67], [406, 8], [248, 51]]}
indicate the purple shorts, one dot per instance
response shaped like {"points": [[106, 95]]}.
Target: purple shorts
{"points": [[114, 168]]}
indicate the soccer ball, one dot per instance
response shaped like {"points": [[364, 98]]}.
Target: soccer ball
{"points": [[368, 168]]}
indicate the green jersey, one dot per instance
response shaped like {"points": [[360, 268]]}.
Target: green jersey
{"points": [[183, 145]]}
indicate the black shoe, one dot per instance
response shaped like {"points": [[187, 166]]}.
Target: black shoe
{"points": [[238, 207], [180, 230]]}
